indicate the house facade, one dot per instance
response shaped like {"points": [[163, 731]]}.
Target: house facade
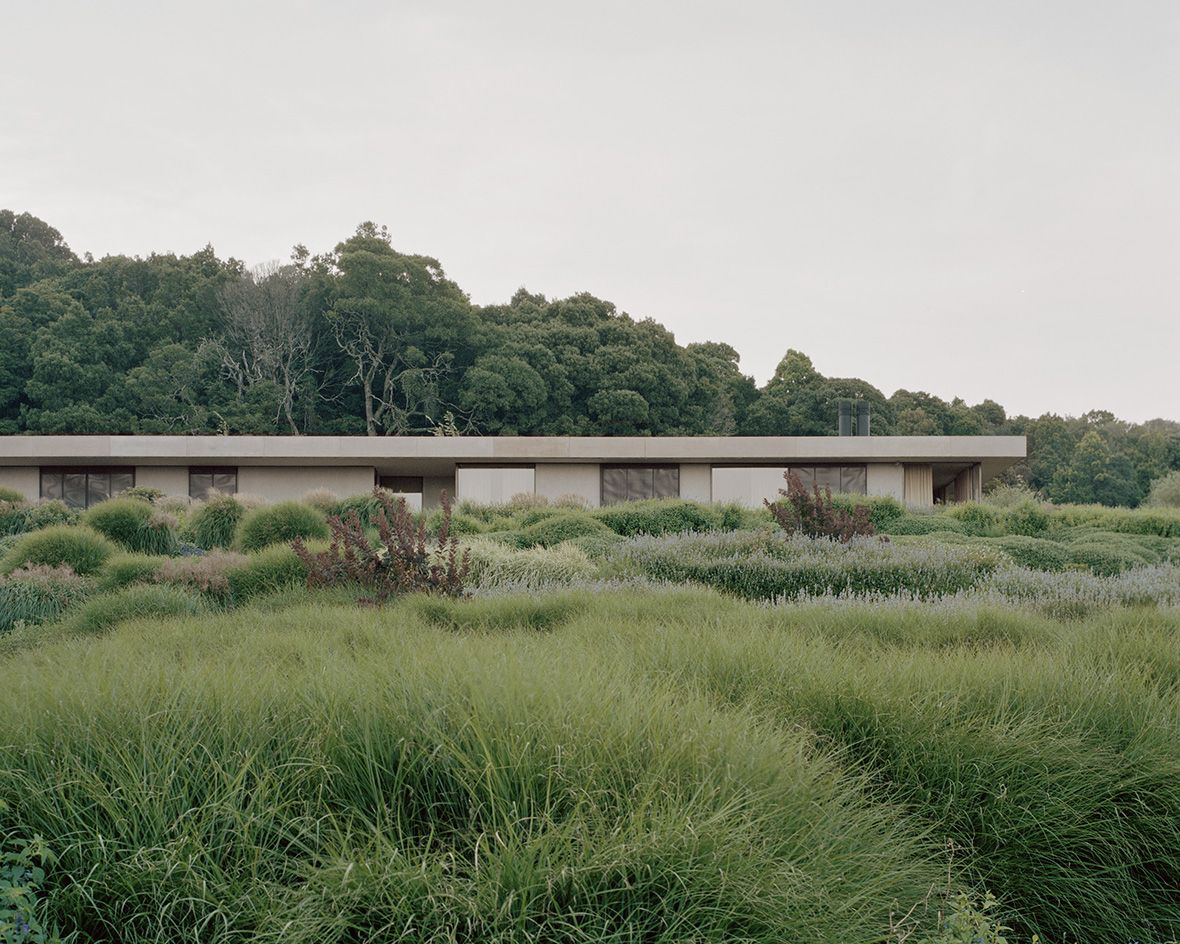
{"points": [[916, 470]]}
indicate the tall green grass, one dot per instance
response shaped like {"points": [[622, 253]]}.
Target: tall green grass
{"points": [[324, 774]]}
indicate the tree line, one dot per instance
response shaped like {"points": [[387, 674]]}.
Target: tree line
{"points": [[366, 339]]}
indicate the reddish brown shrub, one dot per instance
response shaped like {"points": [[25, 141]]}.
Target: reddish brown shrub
{"points": [[400, 562], [813, 513]]}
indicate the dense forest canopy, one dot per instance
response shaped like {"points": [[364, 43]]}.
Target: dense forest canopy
{"points": [[367, 339]]}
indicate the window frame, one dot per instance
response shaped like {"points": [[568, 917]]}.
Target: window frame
{"points": [[86, 471], [211, 471]]}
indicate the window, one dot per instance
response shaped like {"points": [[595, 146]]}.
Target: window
{"points": [[402, 484], [622, 483], [202, 481], [849, 479], [83, 487]]}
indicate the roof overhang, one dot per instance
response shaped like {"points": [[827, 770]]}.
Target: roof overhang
{"points": [[994, 453]]}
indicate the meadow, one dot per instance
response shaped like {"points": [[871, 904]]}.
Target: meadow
{"points": [[653, 722]]}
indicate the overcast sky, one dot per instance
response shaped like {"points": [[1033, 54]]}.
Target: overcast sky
{"points": [[977, 199]]}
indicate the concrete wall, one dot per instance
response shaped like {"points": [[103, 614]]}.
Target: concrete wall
{"points": [[696, 482], [281, 483], [746, 486], [491, 485], [555, 480], [886, 478], [169, 479], [25, 479], [432, 488]]}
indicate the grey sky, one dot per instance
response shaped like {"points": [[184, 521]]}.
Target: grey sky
{"points": [[976, 199]]}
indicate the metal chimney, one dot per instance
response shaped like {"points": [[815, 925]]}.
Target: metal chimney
{"points": [[845, 417], [862, 418]]}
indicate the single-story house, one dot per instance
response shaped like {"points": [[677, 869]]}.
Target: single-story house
{"points": [[916, 470]]}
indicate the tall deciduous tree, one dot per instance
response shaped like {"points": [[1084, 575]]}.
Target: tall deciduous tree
{"points": [[267, 335]]}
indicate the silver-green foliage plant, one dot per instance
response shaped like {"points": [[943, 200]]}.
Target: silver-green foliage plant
{"points": [[768, 566]]}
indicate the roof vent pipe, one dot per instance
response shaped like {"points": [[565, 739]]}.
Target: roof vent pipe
{"points": [[845, 417], [862, 418]]}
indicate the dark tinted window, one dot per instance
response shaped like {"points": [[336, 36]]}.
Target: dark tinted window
{"points": [[637, 482], [403, 484], [83, 487], [203, 481], [850, 479]]}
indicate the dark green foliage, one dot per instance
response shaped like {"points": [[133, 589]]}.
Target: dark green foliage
{"points": [[883, 509], [923, 524], [458, 523], [38, 594], [1028, 518], [215, 522], [122, 570], [666, 516], [978, 519], [267, 571], [133, 524], [554, 529], [82, 549], [135, 602], [278, 524], [1035, 553]]}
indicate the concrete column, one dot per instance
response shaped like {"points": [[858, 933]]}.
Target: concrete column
{"points": [[696, 482]]}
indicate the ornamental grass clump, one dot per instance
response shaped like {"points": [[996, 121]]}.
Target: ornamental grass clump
{"points": [[82, 549], [401, 561], [38, 593], [135, 525], [207, 574], [213, 523], [814, 514], [278, 524]]}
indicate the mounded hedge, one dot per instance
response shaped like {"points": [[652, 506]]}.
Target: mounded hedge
{"points": [[667, 516], [80, 548], [278, 524], [269, 570], [554, 529]]}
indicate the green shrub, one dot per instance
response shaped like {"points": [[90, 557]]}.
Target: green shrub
{"points": [[133, 524], [977, 518], [278, 524], [560, 527], [883, 509], [122, 570], [460, 524], [1035, 553], [1005, 496], [269, 570], [104, 611], [1165, 491], [1164, 522], [535, 515], [1028, 518], [82, 549], [923, 524], [10, 495], [38, 594], [48, 513], [596, 546], [213, 524], [663, 516]]}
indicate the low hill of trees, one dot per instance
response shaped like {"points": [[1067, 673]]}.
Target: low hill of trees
{"points": [[367, 339]]}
